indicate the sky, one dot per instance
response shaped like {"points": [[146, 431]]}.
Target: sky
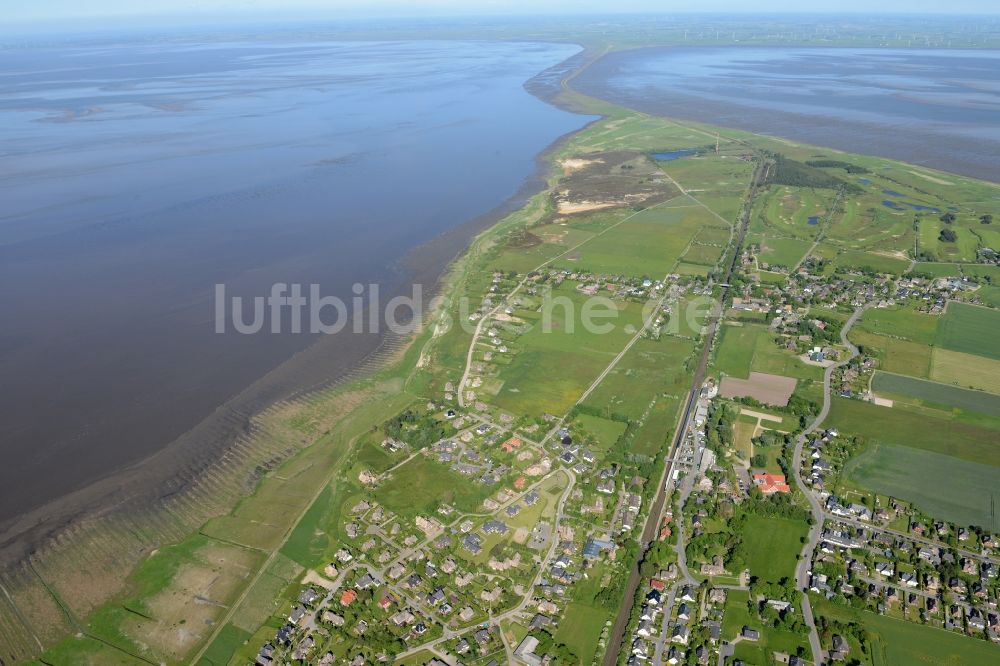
{"points": [[62, 10]]}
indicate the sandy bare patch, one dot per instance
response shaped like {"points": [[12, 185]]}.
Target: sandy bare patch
{"points": [[882, 402], [768, 389], [313, 578], [573, 207], [760, 416], [894, 254], [925, 176], [574, 164]]}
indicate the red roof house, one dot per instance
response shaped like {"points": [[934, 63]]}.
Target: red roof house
{"points": [[771, 483]]}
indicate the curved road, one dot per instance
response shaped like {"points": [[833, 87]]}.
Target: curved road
{"points": [[805, 559]]}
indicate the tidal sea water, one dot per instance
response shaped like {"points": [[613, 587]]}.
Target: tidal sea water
{"points": [[939, 108], [136, 175]]}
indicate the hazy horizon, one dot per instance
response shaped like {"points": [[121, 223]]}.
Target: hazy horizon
{"points": [[57, 11]]}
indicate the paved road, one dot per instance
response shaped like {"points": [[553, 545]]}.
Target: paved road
{"points": [[805, 560], [912, 537]]}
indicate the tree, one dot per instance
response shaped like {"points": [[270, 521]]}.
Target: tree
{"points": [[948, 236], [948, 218], [986, 219]]}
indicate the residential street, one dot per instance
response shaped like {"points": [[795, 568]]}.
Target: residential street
{"points": [[816, 530]]}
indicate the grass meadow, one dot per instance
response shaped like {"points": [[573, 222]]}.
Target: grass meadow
{"points": [[549, 371], [785, 252], [647, 244]]}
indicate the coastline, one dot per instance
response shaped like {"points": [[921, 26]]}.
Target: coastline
{"points": [[218, 463]]}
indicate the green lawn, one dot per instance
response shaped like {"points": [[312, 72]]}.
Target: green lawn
{"points": [[223, 647], [760, 652], [551, 365], [657, 430], [706, 255], [871, 261], [308, 541], [647, 244], [784, 252], [648, 368], [773, 545]]}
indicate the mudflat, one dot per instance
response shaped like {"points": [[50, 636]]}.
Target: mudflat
{"points": [[936, 108], [138, 177]]}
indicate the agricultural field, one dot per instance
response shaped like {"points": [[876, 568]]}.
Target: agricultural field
{"points": [[943, 486], [902, 323], [921, 392], [744, 348], [973, 439], [768, 389], [942, 459], [970, 329], [898, 356], [976, 372]]}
